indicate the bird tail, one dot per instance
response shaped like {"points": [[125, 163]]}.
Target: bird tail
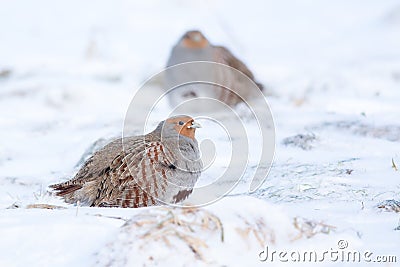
{"points": [[260, 85], [66, 188]]}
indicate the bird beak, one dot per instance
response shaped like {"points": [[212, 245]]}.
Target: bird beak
{"points": [[194, 125]]}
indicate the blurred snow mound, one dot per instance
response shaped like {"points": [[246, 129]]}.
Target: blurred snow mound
{"points": [[215, 234]]}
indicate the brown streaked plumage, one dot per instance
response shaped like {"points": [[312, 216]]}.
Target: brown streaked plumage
{"points": [[159, 167], [194, 46]]}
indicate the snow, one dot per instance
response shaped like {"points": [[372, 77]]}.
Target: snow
{"points": [[69, 70]]}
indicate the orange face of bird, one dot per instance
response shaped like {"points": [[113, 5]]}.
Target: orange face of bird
{"points": [[194, 40], [184, 125]]}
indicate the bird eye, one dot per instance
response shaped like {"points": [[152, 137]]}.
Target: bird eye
{"points": [[181, 123]]}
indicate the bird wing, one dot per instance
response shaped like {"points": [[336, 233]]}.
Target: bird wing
{"points": [[140, 178], [96, 166], [229, 59]]}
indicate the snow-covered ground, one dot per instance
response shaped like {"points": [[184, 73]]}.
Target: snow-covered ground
{"points": [[69, 69]]}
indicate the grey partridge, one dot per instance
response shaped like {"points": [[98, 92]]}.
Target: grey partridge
{"points": [[160, 167], [193, 46]]}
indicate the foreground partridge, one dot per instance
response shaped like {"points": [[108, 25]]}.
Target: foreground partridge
{"points": [[194, 46], [159, 167]]}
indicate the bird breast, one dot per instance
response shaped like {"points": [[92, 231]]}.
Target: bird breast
{"points": [[187, 154]]}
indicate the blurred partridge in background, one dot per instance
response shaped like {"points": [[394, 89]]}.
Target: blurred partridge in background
{"points": [[194, 46], [159, 167]]}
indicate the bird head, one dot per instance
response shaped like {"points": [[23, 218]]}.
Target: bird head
{"points": [[194, 40], [182, 124]]}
